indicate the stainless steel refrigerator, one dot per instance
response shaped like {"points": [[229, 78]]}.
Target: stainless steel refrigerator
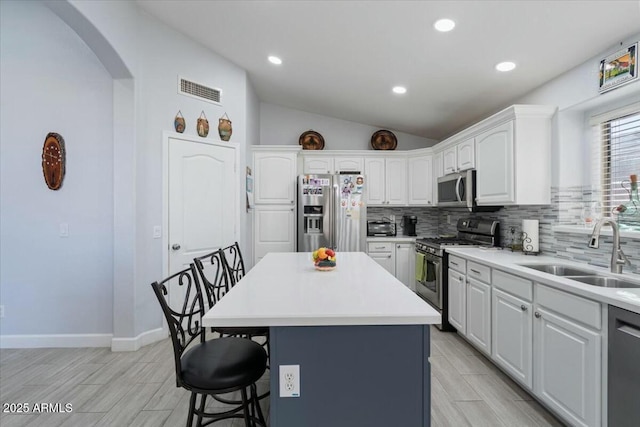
{"points": [[332, 212]]}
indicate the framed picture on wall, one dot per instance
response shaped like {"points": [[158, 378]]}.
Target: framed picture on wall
{"points": [[619, 68]]}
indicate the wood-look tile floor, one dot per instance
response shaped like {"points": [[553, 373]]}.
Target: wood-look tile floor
{"points": [[138, 388]]}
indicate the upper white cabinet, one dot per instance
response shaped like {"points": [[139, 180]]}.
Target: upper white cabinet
{"points": [[459, 157], [438, 171], [317, 165], [275, 176], [420, 180], [387, 180], [513, 157], [348, 164], [313, 164], [495, 183]]}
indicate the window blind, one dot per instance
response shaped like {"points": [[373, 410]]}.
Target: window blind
{"points": [[616, 156]]}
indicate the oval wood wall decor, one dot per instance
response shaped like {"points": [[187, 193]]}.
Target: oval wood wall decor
{"points": [[53, 160]]}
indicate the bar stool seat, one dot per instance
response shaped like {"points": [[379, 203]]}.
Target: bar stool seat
{"points": [[223, 364]]}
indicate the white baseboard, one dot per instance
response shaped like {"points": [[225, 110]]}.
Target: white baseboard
{"points": [[133, 344], [55, 341]]}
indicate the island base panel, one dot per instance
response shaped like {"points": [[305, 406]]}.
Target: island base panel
{"points": [[353, 376]]}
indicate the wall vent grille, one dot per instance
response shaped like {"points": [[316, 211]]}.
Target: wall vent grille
{"points": [[199, 91]]}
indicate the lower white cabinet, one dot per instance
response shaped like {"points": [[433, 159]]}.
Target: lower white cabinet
{"points": [[406, 264], [274, 230], [397, 258], [457, 301], [479, 314], [567, 367], [512, 336]]}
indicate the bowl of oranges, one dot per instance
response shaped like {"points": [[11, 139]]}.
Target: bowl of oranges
{"points": [[324, 259]]}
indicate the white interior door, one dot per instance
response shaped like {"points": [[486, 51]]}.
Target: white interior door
{"points": [[202, 203]]}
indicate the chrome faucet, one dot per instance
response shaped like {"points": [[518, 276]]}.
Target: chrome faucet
{"points": [[618, 258]]}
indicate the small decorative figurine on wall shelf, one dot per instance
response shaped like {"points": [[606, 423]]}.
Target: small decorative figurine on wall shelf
{"points": [[178, 122], [53, 160], [203, 125], [224, 128]]}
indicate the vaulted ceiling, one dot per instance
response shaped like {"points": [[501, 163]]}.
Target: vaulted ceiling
{"points": [[342, 58]]}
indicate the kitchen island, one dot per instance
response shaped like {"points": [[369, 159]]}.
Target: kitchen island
{"points": [[359, 336]]}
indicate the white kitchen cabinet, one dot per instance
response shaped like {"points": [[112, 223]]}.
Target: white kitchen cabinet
{"points": [[420, 180], [387, 178], [450, 160], [512, 336], [274, 230], [438, 171], [513, 158], [478, 313], [317, 165], [495, 184], [457, 301], [313, 164], [275, 177], [384, 253], [406, 264], [567, 356], [348, 164], [466, 154], [459, 157]]}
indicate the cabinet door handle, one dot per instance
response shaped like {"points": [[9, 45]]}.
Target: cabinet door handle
{"points": [[388, 256], [523, 307], [398, 246], [538, 315], [292, 202], [475, 271], [175, 247], [292, 209]]}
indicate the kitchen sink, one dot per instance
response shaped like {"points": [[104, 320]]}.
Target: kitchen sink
{"points": [[558, 270], [605, 282]]}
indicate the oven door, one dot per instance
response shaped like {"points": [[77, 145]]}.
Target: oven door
{"points": [[430, 287]]}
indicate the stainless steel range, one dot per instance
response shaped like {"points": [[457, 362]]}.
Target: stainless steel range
{"points": [[432, 261]]}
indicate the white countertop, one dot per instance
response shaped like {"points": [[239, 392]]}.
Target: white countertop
{"points": [[505, 260], [284, 289], [394, 239]]}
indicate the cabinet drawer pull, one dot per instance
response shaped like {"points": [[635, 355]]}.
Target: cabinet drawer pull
{"points": [[475, 271], [388, 256], [523, 307], [456, 264], [379, 247], [538, 315]]}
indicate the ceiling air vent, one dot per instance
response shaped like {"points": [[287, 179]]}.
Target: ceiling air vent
{"points": [[199, 91]]}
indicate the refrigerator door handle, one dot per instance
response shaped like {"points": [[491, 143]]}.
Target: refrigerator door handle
{"points": [[334, 216]]}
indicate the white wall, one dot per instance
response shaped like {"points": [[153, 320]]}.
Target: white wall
{"points": [[283, 126], [52, 82], [575, 93]]}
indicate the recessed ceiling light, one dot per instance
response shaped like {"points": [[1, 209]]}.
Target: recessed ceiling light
{"points": [[444, 25], [505, 66], [399, 90], [275, 60]]}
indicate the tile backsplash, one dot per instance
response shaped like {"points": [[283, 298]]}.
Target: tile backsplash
{"points": [[566, 208]]}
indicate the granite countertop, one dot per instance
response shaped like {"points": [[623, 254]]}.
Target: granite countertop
{"points": [[512, 262]]}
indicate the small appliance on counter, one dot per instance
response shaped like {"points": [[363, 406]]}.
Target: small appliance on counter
{"points": [[381, 228], [409, 225]]}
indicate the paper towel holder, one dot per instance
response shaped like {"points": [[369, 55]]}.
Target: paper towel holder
{"points": [[527, 246]]}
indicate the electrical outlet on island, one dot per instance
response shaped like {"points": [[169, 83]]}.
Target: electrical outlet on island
{"points": [[289, 380]]}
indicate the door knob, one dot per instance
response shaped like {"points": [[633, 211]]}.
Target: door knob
{"points": [[175, 246]]}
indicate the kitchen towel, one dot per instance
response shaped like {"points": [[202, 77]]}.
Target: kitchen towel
{"points": [[530, 236], [419, 267]]}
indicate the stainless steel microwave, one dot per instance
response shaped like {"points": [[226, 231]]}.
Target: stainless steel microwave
{"points": [[458, 190]]}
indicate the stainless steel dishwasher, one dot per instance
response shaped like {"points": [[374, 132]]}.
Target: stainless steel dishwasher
{"points": [[624, 368]]}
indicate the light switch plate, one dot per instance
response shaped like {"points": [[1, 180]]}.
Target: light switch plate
{"points": [[157, 232], [64, 229]]}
